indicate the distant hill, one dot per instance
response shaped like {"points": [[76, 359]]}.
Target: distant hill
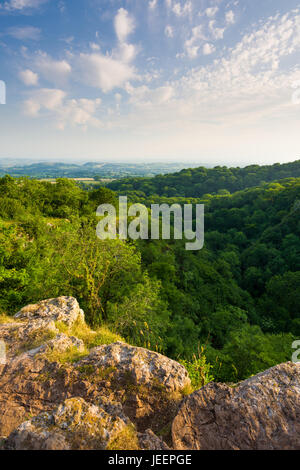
{"points": [[88, 170], [195, 182]]}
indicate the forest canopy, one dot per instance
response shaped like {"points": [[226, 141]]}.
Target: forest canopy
{"points": [[237, 298]]}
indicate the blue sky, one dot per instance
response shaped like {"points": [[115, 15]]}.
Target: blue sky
{"points": [[209, 81]]}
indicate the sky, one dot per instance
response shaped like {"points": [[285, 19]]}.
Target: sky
{"points": [[208, 81]]}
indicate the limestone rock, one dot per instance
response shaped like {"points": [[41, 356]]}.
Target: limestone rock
{"points": [[139, 366], [148, 384], [60, 344], [74, 425], [149, 441], [64, 309], [261, 413], [34, 380]]}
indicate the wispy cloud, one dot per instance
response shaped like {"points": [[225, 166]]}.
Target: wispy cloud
{"points": [[24, 33], [124, 24], [21, 5], [210, 12]]}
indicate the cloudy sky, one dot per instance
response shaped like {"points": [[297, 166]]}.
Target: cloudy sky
{"points": [[210, 81]]}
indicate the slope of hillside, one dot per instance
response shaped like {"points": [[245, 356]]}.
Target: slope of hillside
{"points": [[237, 298], [200, 181], [56, 393]]}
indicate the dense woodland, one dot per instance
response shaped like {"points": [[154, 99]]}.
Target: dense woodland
{"points": [[236, 302], [196, 182]]}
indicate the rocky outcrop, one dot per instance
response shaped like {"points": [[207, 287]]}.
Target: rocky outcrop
{"points": [[148, 384], [74, 425], [149, 441], [77, 425], [35, 380], [64, 309], [56, 394], [37, 323], [261, 413], [139, 366]]}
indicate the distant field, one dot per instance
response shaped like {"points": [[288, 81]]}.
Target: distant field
{"points": [[80, 180], [90, 172]]}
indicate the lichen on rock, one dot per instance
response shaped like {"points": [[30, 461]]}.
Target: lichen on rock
{"points": [[73, 425]]}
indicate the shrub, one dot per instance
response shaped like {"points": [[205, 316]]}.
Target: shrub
{"points": [[199, 370]]}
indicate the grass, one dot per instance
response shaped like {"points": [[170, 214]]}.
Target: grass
{"points": [[70, 356], [36, 339], [199, 372], [188, 390], [90, 337], [6, 319], [126, 440]]}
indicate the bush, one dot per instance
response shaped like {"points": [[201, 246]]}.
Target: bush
{"points": [[199, 370]]}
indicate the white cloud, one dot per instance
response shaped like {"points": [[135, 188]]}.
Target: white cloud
{"points": [[182, 10], [55, 71], [124, 24], [169, 31], [114, 69], [218, 33], [24, 33], [20, 5], [79, 112], [249, 81], [94, 46], [152, 4], [192, 45], [211, 12], [103, 71], [242, 90], [45, 98], [65, 112], [208, 49], [29, 78], [144, 96], [125, 53], [230, 17]]}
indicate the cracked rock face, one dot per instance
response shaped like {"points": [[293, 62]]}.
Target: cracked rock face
{"points": [[140, 366], [74, 425], [64, 309], [149, 441], [78, 425], [145, 384], [46, 403], [261, 413]]}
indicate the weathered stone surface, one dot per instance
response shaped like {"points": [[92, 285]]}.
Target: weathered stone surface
{"points": [[261, 413], [38, 322], [117, 387], [33, 380], [31, 383], [149, 441], [140, 366], [60, 344], [64, 309], [148, 384], [74, 425]]}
